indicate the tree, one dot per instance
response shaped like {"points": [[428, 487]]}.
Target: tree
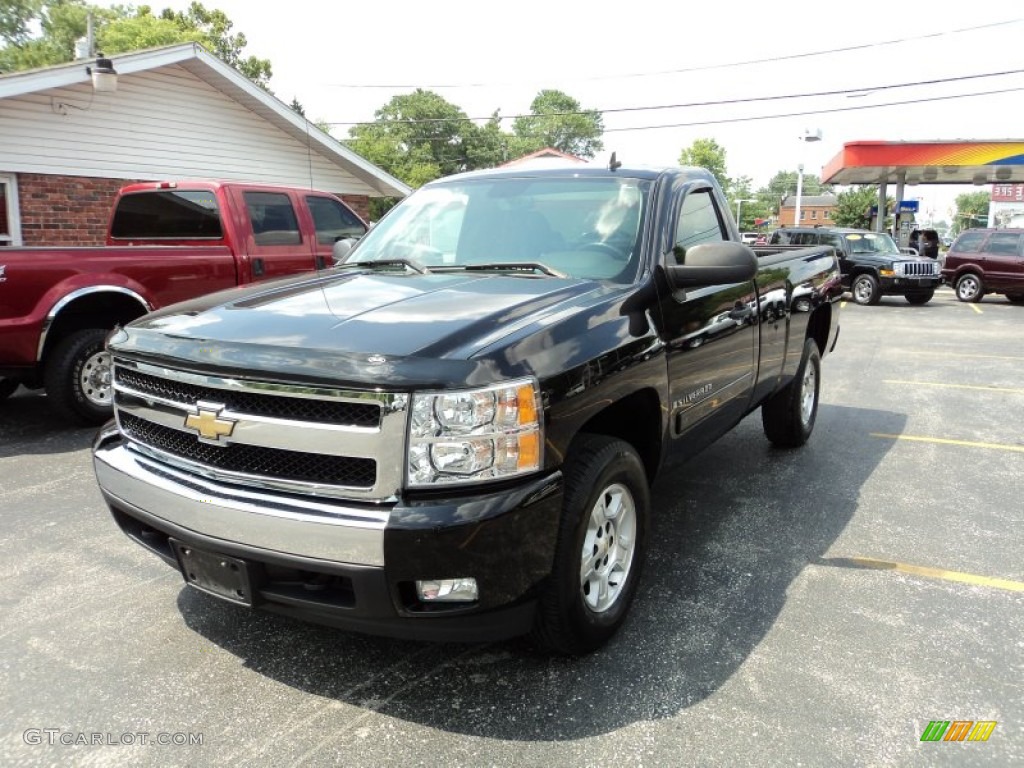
{"points": [[116, 30], [971, 210], [558, 121], [709, 154], [853, 207]]}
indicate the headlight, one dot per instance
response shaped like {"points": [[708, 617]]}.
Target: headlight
{"points": [[473, 435]]}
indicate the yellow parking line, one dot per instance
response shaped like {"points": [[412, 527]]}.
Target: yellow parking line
{"points": [[920, 570], [944, 441], [954, 386], [842, 305], [976, 308]]}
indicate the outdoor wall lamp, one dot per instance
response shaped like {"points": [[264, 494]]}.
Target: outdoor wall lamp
{"points": [[104, 76]]}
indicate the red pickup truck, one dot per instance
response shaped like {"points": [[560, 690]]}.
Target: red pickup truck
{"points": [[166, 242]]}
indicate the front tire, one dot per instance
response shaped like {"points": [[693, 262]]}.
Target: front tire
{"points": [[602, 542], [788, 416], [969, 287], [865, 290], [78, 377], [920, 297]]}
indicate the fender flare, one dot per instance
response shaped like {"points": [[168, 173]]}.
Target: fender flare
{"points": [[77, 294]]}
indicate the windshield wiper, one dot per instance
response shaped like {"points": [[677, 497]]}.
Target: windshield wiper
{"points": [[506, 266], [389, 263]]}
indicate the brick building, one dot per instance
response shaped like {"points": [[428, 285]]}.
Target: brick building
{"points": [[814, 209], [177, 113]]}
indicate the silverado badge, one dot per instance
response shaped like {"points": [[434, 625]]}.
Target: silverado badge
{"points": [[207, 421]]}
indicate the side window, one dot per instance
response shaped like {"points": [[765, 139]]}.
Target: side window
{"points": [[333, 221], [9, 218], [699, 222], [969, 241], [273, 218], [835, 241], [1003, 243]]}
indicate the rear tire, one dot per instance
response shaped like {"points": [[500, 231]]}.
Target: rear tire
{"points": [[788, 416], [78, 377], [602, 542], [920, 297], [865, 290], [969, 287]]}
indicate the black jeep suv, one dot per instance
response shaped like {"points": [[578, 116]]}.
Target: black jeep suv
{"points": [[872, 264]]}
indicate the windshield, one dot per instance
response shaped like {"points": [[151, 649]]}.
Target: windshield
{"points": [[872, 242], [578, 227]]}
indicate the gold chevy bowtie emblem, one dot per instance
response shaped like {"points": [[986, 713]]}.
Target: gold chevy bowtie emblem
{"points": [[209, 424]]}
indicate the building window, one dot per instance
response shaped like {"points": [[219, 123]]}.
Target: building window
{"points": [[827, 214], [10, 218], [803, 215], [814, 214]]}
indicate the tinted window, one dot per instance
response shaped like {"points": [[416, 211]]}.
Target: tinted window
{"points": [[1004, 243], [969, 241], [167, 214], [273, 218], [699, 222], [333, 221]]}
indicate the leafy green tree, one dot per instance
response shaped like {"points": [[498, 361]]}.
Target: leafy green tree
{"points": [[116, 30], [853, 207], [971, 210], [709, 154], [557, 120]]}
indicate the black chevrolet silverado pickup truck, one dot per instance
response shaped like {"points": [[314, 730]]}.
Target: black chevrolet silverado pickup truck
{"points": [[452, 434]]}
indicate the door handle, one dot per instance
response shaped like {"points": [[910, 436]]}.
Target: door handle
{"points": [[257, 267]]}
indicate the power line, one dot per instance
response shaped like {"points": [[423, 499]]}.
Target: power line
{"points": [[707, 67]]}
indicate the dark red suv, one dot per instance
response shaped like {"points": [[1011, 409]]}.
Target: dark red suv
{"points": [[984, 261]]}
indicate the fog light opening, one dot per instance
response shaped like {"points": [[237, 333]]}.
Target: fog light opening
{"points": [[460, 590]]}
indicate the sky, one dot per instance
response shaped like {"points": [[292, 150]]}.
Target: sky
{"points": [[344, 60]]}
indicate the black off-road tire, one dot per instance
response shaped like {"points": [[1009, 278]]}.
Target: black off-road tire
{"points": [[602, 473], [67, 365], [865, 290], [920, 297], [788, 416], [969, 287], [7, 388]]}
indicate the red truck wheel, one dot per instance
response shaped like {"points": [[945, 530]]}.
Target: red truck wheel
{"points": [[78, 377], [602, 540]]}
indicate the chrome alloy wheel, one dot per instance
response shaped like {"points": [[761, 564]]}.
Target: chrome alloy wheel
{"points": [[862, 291], [95, 378], [808, 394], [608, 548]]}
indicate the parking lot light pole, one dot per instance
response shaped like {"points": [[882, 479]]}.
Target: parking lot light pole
{"points": [[807, 136]]}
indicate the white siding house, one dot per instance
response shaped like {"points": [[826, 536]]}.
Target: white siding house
{"points": [[178, 113]]}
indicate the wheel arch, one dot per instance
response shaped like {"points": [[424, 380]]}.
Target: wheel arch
{"points": [[94, 306], [636, 419]]}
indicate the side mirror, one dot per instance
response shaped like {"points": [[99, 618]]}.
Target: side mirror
{"points": [[718, 263], [341, 249]]}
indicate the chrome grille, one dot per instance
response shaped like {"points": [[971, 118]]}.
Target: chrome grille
{"points": [[917, 268], [274, 406], [309, 440], [252, 459]]}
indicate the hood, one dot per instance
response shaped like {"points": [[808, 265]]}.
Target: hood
{"points": [[354, 325]]}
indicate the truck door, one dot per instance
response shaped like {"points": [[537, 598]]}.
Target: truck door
{"points": [[710, 332], [332, 221], [1001, 260], [275, 244]]}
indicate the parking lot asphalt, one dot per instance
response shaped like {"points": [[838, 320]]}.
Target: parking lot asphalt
{"points": [[815, 607]]}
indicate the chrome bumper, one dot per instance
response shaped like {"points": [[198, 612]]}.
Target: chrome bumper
{"points": [[305, 528]]}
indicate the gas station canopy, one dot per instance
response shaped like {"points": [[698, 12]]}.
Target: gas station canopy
{"points": [[927, 162]]}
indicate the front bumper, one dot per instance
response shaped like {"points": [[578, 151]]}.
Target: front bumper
{"points": [[901, 285], [351, 566]]}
